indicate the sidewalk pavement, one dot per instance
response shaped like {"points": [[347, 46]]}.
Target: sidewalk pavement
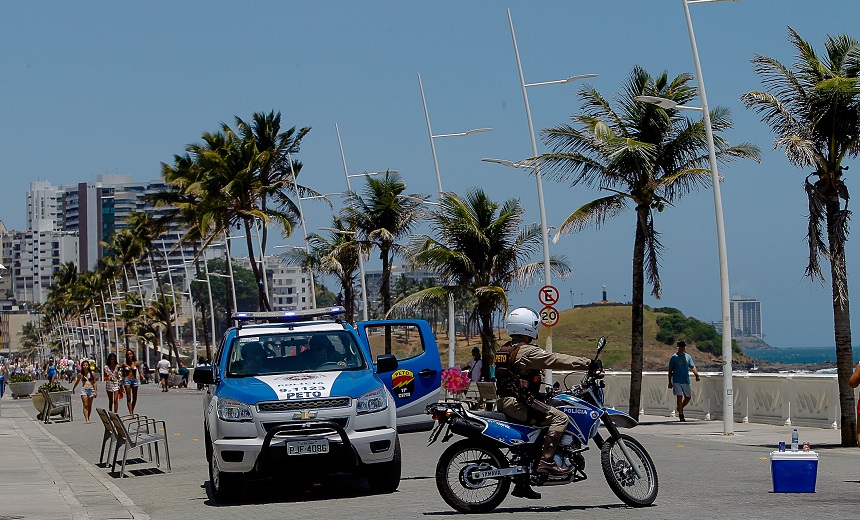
{"points": [[42, 478]]}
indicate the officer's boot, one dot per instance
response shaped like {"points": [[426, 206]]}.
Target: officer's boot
{"points": [[522, 489], [547, 462]]}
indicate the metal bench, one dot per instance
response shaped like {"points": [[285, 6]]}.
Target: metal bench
{"points": [[136, 433], [487, 396], [110, 438], [57, 403]]}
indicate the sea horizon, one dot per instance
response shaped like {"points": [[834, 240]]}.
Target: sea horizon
{"points": [[799, 355]]}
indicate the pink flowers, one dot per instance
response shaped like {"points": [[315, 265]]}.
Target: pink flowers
{"points": [[455, 380]]}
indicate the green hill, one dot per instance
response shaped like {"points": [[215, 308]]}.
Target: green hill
{"points": [[578, 330]]}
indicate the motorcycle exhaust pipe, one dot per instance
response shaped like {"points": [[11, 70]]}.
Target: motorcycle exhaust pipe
{"points": [[467, 427]]}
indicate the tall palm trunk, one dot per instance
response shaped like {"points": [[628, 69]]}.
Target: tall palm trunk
{"points": [[841, 322], [203, 307], [637, 310], [171, 337], [348, 299], [259, 271], [385, 292], [488, 341]]}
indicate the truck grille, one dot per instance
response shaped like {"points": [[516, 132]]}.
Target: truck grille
{"points": [[309, 404], [340, 421]]}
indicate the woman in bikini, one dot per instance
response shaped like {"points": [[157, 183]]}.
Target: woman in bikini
{"points": [[131, 375], [88, 389], [111, 377]]}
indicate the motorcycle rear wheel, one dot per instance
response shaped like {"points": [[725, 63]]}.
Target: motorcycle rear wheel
{"points": [[464, 493], [620, 476]]}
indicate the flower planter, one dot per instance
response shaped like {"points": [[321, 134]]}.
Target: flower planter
{"points": [[20, 390]]}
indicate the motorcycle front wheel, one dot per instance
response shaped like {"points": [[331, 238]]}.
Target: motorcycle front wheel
{"points": [[456, 481], [622, 479]]}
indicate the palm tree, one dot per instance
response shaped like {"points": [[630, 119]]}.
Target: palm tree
{"points": [[30, 338], [382, 216], [814, 111], [146, 229], [244, 177], [480, 249], [275, 169], [335, 255], [646, 157]]}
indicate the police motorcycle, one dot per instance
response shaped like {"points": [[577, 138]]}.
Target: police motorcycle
{"points": [[474, 474]]}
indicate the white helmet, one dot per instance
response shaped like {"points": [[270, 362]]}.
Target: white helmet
{"points": [[523, 321]]}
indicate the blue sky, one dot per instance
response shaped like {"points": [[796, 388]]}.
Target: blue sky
{"points": [[110, 87]]}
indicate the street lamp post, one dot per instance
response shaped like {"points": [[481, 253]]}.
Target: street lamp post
{"points": [[452, 339], [349, 189], [304, 229], [728, 393], [536, 167], [725, 296]]}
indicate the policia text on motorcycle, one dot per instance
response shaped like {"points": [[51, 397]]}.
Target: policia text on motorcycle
{"points": [[519, 382]]}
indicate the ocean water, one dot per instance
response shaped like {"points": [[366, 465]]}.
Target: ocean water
{"points": [[810, 355]]}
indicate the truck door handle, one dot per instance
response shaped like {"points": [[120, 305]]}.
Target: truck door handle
{"points": [[427, 373]]}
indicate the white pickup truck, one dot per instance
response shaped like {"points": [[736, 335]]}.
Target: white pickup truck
{"points": [[293, 393]]}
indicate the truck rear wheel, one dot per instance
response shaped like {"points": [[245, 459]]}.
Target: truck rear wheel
{"points": [[384, 477]]}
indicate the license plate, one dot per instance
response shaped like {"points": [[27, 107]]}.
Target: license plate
{"points": [[315, 447]]}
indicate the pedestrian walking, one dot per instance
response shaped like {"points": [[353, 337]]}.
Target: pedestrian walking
{"points": [[52, 371], [184, 373], [854, 382], [131, 379], [3, 372], [201, 363], [111, 375], [475, 366], [163, 369], [89, 390], [680, 365]]}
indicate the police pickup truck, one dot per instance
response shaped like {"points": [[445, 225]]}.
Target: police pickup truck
{"points": [[300, 393]]}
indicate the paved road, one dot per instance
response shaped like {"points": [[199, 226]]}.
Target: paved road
{"points": [[702, 473]]}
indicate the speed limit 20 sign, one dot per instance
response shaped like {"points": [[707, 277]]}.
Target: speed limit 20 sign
{"points": [[548, 316]]}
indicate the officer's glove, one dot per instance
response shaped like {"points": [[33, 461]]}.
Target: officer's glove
{"points": [[595, 368]]}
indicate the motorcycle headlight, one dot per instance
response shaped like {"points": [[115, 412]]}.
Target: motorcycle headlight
{"points": [[232, 410], [374, 401]]}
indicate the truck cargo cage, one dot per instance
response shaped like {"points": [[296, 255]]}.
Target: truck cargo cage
{"points": [[335, 312]]}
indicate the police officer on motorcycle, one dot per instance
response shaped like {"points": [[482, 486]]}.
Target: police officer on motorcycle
{"points": [[519, 383]]}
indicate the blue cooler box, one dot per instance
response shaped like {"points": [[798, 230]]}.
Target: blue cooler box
{"points": [[794, 471]]}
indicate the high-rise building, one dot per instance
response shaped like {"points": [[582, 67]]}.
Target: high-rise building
{"points": [[35, 257], [44, 207], [289, 286], [97, 209], [745, 317]]}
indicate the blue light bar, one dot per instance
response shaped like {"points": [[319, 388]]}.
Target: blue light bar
{"points": [[290, 316]]}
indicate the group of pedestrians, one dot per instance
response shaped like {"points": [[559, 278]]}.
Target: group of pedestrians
{"points": [[121, 380]]}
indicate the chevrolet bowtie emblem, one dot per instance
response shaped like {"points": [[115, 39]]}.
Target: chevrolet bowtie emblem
{"points": [[305, 415]]}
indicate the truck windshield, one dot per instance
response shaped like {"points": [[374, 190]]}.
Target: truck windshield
{"points": [[290, 353]]}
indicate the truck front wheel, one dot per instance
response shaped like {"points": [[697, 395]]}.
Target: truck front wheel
{"points": [[226, 487], [384, 477]]}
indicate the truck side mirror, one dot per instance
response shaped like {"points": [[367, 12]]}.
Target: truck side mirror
{"points": [[386, 363], [203, 376]]}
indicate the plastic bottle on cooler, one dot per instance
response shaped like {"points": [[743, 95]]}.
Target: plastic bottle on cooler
{"points": [[794, 440]]}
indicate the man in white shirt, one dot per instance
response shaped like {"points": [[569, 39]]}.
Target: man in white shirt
{"points": [[163, 369]]}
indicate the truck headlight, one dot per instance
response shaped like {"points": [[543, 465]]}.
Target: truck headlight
{"points": [[374, 401], [232, 410]]}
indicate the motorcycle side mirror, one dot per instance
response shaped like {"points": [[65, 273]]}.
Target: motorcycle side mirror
{"points": [[600, 344]]}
